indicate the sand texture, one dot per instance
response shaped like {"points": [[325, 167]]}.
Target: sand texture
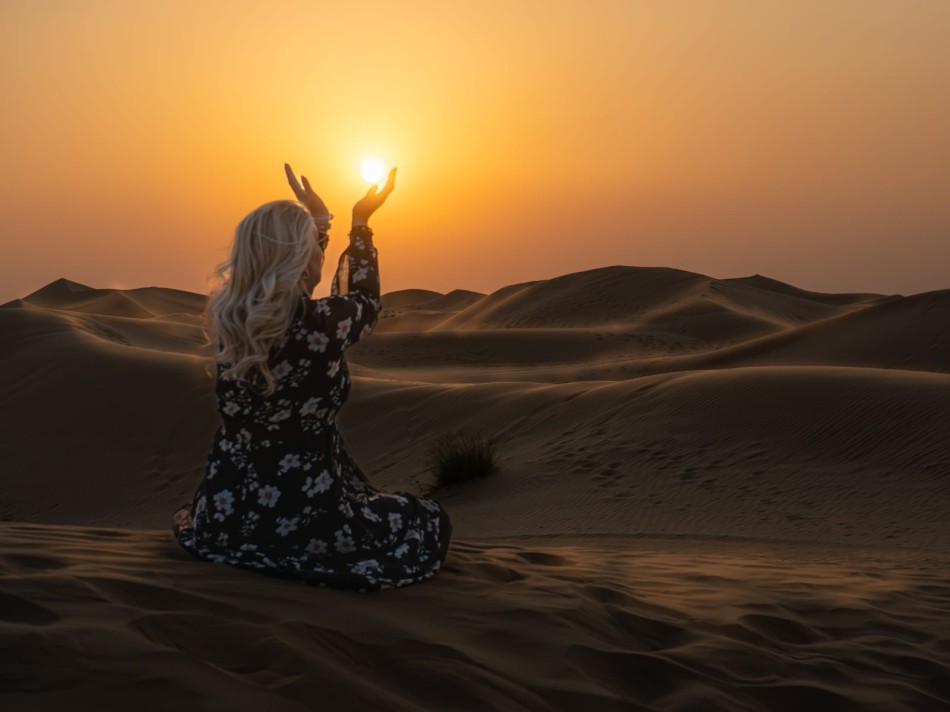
{"points": [[714, 494]]}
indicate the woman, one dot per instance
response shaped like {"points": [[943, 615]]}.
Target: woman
{"points": [[281, 493]]}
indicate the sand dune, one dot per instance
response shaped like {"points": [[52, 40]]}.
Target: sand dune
{"points": [[715, 327], [65, 294], [421, 309], [714, 494], [625, 295], [903, 333], [773, 285]]}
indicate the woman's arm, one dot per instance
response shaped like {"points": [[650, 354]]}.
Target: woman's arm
{"points": [[354, 302], [355, 299]]}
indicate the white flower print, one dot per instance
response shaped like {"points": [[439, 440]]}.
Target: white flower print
{"points": [[267, 495], [370, 514], [322, 307], [317, 546], [344, 544], [222, 539], [401, 551], [231, 408], [281, 370], [317, 341], [223, 500], [288, 462], [280, 415], [310, 406], [395, 520], [366, 566], [399, 498], [319, 484], [360, 274], [286, 525], [343, 328], [248, 547], [367, 330], [334, 367], [250, 523]]}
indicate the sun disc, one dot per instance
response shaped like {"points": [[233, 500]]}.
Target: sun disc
{"points": [[372, 170]]}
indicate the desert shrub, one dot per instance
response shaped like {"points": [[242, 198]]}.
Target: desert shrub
{"points": [[459, 456]]}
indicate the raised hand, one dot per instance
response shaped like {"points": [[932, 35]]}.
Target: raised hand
{"points": [[306, 195], [370, 202]]}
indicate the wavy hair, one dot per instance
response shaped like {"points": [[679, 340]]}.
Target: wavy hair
{"points": [[258, 288]]}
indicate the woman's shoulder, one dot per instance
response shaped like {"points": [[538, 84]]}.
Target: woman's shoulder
{"points": [[311, 326], [314, 311], [334, 306]]}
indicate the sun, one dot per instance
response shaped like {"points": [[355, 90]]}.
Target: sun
{"points": [[372, 170]]}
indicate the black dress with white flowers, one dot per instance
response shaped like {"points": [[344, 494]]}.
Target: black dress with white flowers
{"points": [[281, 493]]}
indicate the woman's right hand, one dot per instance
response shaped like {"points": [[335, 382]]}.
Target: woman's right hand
{"points": [[370, 202], [306, 195]]}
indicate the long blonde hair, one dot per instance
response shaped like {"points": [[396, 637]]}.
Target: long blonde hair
{"points": [[258, 288]]}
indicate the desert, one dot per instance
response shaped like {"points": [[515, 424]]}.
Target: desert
{"points": [[714, 494]]}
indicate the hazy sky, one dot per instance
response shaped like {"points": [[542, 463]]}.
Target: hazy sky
{"points": [[806, 140]]}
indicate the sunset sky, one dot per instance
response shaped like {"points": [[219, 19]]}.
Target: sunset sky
{"points": [[807, 140]]}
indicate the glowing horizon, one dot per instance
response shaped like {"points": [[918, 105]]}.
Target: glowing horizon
{"points": [[806, 142]]}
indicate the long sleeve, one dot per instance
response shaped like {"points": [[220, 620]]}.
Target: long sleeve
{"points": [[354, 302]]}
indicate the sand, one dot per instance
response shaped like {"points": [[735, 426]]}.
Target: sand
{"points": [[714, 494]]}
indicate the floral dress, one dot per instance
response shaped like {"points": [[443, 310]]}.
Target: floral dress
{"points": [[281, 494]]}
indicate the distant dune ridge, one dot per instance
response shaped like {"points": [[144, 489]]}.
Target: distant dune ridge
{"points": [[715, 494]]}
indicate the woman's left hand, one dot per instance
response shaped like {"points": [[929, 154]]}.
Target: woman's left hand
{"points": [[306, 195], [374, 197]]}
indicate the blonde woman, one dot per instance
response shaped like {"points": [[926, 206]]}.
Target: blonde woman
{"points": [[281, 494]]}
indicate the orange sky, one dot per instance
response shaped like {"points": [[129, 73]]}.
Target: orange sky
{"points": [[807, 140]]}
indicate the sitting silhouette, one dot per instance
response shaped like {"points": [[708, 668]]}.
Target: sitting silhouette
{"points": [[281, 494]]}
